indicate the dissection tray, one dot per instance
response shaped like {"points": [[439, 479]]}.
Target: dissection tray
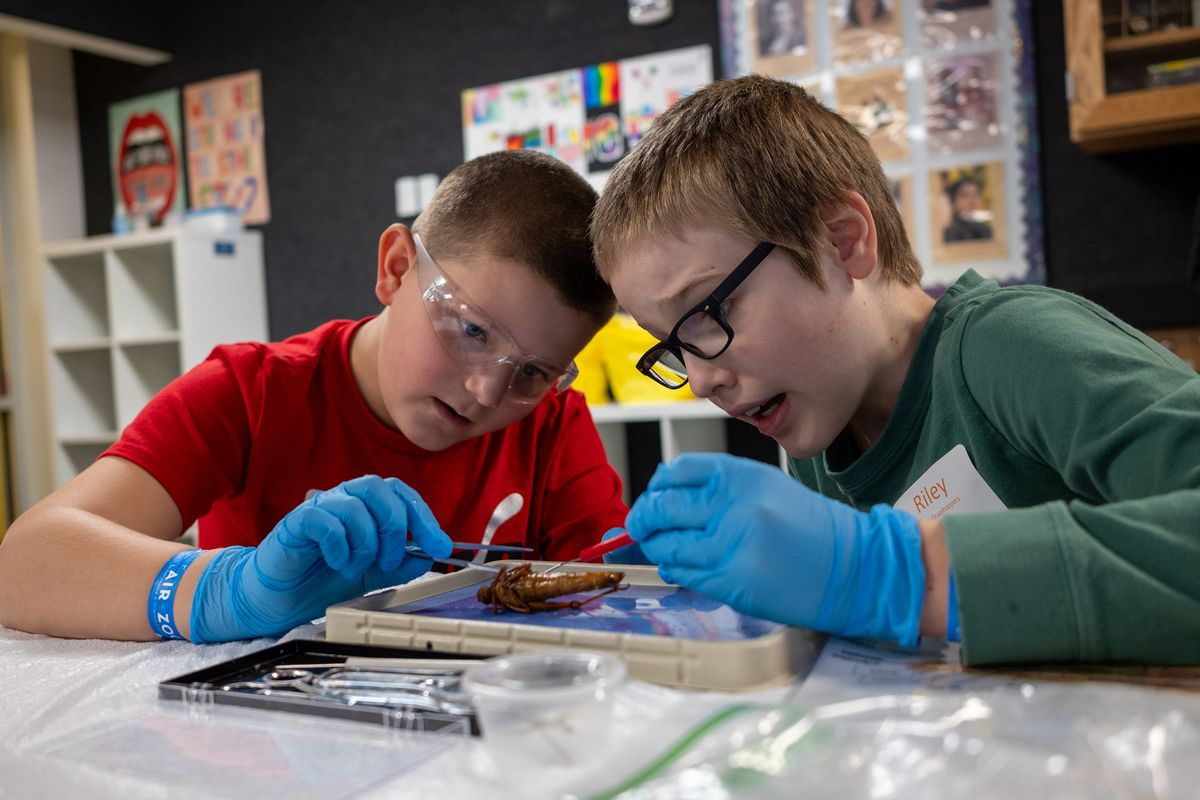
{"points": [[665, 634]]}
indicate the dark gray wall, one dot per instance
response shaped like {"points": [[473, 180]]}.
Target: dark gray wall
{"points": [[141, 22], [359, 93]]}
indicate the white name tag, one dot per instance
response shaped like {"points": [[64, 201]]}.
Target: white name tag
{"points": [[951, 486]]}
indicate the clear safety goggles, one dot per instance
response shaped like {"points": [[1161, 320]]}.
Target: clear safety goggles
{"points": [[472, 338]]}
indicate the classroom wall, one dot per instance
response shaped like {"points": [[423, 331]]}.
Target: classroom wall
{"points": [[358, 94]]}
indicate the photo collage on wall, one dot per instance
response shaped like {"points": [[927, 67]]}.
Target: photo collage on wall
{"points": [[943, 90]]}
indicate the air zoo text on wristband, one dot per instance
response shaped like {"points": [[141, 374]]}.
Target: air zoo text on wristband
{"points": [[161, 607]]}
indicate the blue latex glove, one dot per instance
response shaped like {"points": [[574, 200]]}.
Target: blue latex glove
{"points": [[747, 534], [336, 545], [629, 554]]}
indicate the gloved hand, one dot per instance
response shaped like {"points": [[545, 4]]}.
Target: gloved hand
{"points": [[629, 554], [336, 545], [748, 534]]}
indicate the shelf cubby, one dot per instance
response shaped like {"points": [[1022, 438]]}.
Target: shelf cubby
{"points": [[140, 371], [82, 385], [143, 287], [128, 314], [77, 299]]}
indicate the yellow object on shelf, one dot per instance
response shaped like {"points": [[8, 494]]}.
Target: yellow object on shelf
{"points": [[622, 343], [591, 380]]}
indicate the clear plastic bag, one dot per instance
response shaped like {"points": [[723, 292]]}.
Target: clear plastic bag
{"points": [[1010, 740]]}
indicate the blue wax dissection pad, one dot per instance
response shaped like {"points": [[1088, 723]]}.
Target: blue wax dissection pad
{"points": [[654, 610]]}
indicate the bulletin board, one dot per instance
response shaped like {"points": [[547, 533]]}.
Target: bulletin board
{"points": [[944, 91]]}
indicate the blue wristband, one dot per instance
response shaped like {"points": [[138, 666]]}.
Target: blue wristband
{"points": [[953, 634], [161, 606]]}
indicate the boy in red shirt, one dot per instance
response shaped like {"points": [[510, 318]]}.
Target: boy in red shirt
{"points": [[455, 392]]}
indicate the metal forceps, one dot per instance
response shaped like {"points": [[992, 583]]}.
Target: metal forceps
{"points": [[421, 689], [415, 550], [428, 690], [279, 681]]}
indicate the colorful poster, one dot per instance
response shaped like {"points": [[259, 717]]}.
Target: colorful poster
{"points": [[589, 117], [145, 153], [543, 113], [651, 84], [225, 135]]}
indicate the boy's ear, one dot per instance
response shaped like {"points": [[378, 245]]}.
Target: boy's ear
{"points": [[397, 259], [850, 227]]}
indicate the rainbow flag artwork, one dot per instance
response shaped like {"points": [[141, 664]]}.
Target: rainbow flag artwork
{"points": [[601, 85], [603, 138]]}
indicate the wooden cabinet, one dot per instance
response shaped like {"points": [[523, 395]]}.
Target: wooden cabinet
{"points": [[1133, 72], [1183, 342]]}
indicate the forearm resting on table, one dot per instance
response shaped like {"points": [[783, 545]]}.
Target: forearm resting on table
{"points": [[70, 572], [936, 558]]}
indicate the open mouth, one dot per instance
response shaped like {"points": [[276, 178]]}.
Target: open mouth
{"points": [[448, 412], [763, 411]]}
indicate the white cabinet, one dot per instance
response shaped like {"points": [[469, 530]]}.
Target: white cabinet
{"points": [[686, 427], [127, 314]]}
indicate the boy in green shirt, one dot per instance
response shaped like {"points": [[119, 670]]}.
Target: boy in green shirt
{"points": [[1086, 431]]}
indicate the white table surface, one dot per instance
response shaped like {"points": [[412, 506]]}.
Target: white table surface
{"points": [[82, 719]]}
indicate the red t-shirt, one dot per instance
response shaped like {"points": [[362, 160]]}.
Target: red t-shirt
{"points": [[240, 439]]}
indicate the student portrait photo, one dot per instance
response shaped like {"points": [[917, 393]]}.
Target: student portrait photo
{"points": [[865, 30], [969, 221], [950, 23], [779, 30], [876, 102], [867, 13], [967, 212], [782, 28], [961, 105]]}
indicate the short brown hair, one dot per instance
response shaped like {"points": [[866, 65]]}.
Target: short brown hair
{"points": [[525, 206], [758, 157]]}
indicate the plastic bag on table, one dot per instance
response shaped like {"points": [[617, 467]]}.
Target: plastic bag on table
{"points": [[1014, 740]]}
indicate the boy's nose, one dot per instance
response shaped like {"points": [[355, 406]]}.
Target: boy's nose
{"points": [[489, 385], [706, 376]]}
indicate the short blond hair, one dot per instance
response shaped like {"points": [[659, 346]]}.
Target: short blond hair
{"points": [[757, 157]]}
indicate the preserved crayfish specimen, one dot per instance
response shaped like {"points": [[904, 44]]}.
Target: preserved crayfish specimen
{"points": [[520, 589]]}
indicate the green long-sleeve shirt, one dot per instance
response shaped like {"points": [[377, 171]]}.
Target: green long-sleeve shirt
{"points": [[1089, 432]]}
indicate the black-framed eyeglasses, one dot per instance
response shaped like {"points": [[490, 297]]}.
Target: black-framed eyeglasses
{"points": [[703, 331]]}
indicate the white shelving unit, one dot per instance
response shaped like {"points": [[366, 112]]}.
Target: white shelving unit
{"points": [[695, 426], [127, 314]]}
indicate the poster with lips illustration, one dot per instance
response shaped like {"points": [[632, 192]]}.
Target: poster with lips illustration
{"points": [[145, 153]]}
